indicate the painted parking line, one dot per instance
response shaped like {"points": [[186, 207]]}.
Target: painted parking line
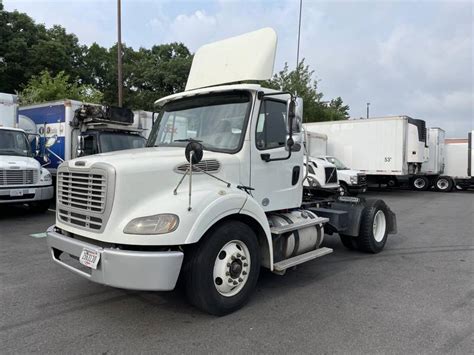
{"points": [[51, 210], [38, 235]]}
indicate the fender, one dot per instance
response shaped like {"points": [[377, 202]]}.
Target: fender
{"points": [[221, 207]]}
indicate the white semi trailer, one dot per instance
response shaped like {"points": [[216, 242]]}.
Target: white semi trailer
{"points": [[390, 150], [216, 194], [459, 160]]}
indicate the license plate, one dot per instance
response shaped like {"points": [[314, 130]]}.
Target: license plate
{"points": [[16, 193], [89, 258]]}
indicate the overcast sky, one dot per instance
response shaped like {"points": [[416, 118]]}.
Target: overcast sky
{"points": [[404, 57]]}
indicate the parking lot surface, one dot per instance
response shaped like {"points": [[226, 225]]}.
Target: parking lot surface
{"points": [[414, 297]]}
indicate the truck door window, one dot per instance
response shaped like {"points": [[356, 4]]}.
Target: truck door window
{"points": [[90, 145], [271, 129]]}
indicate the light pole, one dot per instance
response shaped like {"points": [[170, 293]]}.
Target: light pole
{"points": [[368, 104], [299, 32], [119, 53]]}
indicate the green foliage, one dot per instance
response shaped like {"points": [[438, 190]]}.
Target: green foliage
{"points": [[44, 87], [300, 81]]}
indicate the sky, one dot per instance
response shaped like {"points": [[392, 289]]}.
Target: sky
{"points": [[410, 58]]}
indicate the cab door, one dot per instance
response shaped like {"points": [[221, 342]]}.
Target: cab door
{"points": [[278, 183]]}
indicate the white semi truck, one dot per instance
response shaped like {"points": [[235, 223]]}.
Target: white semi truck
{"points": [[350, 181], [389, 150], [216, 194], [22, 179]]}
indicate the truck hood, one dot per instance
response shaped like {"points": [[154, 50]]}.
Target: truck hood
{"points": [[159, 164], [18, 162]]}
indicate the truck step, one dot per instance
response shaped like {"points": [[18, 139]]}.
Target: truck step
{"points": [[300, 259], [295, 226]]}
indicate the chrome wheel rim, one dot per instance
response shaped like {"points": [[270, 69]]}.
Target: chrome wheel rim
{"points": [[419, 183], [379, 226], [231, 268], [442, 184]]}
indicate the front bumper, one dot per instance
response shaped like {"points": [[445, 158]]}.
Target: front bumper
{"points": [[133, 270], [29, 194]]}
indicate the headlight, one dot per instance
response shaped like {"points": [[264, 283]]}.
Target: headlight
{"points": [[353, 179], [45, 176], [156, 224]]}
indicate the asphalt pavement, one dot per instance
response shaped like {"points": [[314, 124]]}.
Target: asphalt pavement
{"points": [[417, 296]]}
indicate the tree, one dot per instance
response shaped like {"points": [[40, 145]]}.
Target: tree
{"points": [[44, 87], [300, 81]]}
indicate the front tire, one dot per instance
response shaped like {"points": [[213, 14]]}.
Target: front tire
{"points": [[343, 190], [223, 270], [373, 228]]}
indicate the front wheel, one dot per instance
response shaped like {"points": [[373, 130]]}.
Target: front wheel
{"points": [[373, 228], [343, 190], [223, 270]]}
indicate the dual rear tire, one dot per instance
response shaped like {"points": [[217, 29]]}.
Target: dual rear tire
{"points": [[441, 183], [373, 230]]}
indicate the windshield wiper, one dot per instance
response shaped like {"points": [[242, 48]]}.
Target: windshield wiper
{"points": [[189, 140]]}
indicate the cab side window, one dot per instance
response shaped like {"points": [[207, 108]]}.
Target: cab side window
{"points": [[271, 129]]}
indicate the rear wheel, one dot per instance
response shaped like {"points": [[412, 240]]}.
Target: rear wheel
{"points": [[421, 183], [444, 184], [373, 228], [223, 270]]}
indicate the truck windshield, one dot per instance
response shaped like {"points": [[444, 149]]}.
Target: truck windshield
{"points": [[14, 143], [339, 164], [110, 142], [217, 120]]}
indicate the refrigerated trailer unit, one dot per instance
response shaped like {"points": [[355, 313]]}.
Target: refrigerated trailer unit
{"points": [[390, 150], [79, 129]]}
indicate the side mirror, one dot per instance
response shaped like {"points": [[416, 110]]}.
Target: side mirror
{"points": [[37, 145], [298, 119], [51, 141], [80, 146]]}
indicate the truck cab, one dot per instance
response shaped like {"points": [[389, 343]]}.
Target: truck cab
{"points": [[216, 194], [22, 179], [351, 181]]}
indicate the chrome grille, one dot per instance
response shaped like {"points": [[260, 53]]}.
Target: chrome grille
{"points": [[83, 191], [209, 166], [80, 219], [18, 177]]}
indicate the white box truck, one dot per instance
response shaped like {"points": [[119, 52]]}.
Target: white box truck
{"points": [[75, 128], [217, 193], [459, 161], [22, 179], [390, 150], [350, 181]]}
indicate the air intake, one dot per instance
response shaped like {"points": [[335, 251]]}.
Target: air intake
{"points": [[209, 166]]}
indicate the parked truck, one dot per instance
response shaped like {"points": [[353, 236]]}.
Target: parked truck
{"points": [[350, 181], [459, 160], [216, 194], [80, 129], [389, 150], [22, 179]]}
